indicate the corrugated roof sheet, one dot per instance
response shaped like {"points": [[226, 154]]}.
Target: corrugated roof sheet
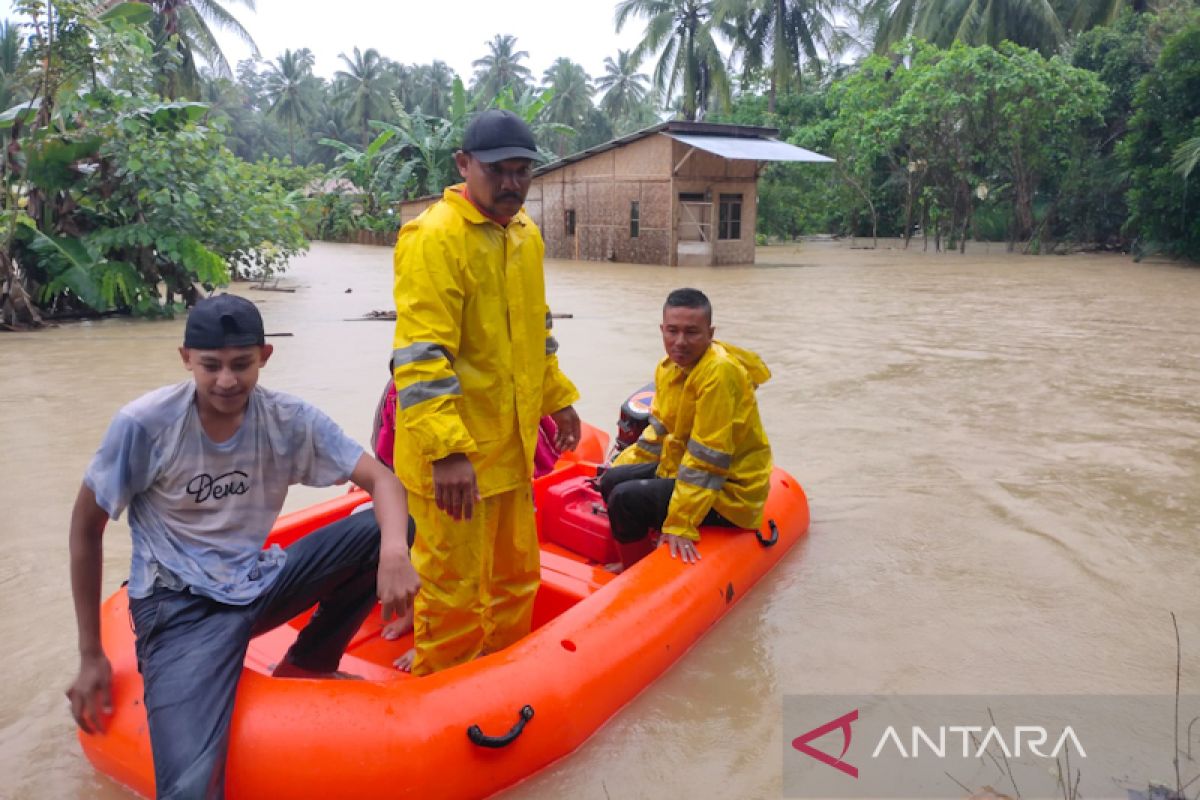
{"points": [[750, 149], [672, 128]]}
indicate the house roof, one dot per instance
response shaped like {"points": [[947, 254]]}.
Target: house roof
{"points": [[744, 142], [743, 149], [328, 185]]}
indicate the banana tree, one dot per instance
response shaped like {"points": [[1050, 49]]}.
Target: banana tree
{"points": [[420, 157], [360, 167]]}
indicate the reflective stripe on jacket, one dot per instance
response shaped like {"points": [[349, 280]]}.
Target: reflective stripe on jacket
{"points": [[473, 356], [705, 432]]}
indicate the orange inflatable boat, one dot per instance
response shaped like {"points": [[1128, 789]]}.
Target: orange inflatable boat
{"points": [[598, 640]]}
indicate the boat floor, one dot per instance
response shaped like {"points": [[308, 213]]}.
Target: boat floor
{"points": [[567, 578]]}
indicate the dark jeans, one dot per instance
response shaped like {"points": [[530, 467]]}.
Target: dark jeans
{"points": [[638, 501], [190, 648]]}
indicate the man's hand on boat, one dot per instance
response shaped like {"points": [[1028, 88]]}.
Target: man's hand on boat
{"points": [[396, 580], [397, 584], [683, 547], [454, 486], [569, 428], [91, 693]]}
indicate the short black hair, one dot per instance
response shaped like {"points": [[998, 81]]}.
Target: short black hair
{"points": [[689, 298]]}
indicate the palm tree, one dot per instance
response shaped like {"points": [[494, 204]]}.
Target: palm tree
{"points": [[332, 125], [363, 86], [252, 83], [1029, 23], [403, 83], [1088, 14], [570, 99], [289, 89], [248, 133], [624, 87], [690, 60], [779, 36], [434, 88], [10, 62], [501, 68], [1186, 157], [189, 25]]}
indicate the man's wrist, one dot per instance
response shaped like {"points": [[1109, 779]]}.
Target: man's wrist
{"points": [[88, 652], [394, 550]]}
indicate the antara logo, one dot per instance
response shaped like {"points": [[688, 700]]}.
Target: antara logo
{"points": [[801, 743], [974, 740]]}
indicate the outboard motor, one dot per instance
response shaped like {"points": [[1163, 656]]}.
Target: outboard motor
{"points": [[635, 416]]}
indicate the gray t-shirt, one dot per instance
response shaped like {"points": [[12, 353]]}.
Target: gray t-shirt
{"points": [[200, 511]]}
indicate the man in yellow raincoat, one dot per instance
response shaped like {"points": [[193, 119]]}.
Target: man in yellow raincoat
{"points": [[475, 369], [703, 459]]}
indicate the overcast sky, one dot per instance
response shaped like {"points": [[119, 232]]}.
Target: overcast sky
{"points": [[420, 31]]}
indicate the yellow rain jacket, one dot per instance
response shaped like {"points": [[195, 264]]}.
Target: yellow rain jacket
{"points": [[475, 370], [705, 433], [474, 360]]}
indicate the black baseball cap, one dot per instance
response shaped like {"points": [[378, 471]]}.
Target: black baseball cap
{"points": [[496, 135], [223, 320]]}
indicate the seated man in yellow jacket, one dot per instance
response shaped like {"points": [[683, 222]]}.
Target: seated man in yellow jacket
{"points": [[704, 458], [475, 370]]}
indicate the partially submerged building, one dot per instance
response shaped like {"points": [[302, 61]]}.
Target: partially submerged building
{"points": [[677, 193]]}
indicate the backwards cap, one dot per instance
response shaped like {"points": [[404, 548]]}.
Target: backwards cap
{"points": [[224, 320]]}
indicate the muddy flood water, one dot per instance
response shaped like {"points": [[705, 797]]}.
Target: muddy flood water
{"points": [[1002, 456]]}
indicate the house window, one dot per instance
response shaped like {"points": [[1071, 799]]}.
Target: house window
{"points": [[635, 219], [729, 217], [569, 221]]}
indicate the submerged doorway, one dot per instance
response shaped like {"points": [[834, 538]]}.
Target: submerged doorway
{"points": [[693, 230]]}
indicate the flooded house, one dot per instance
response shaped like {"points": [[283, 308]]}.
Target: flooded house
{"points": [[678, 193]]}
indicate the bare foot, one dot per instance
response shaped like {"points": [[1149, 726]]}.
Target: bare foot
{"points": [[405, 662], [398, 627], [287, 669]]}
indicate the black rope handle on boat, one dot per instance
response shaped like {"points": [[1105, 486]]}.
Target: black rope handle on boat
{"points": [[774, 534], [476, 735]]}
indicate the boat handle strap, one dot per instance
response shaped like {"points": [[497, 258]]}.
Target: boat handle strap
{"points": [[476, 735], [774, 534]]}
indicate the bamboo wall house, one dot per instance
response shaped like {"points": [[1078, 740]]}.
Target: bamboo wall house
{"points": [[678, 193]]}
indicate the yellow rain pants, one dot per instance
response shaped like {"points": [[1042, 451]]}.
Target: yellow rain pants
{"points": [[460, 599]]}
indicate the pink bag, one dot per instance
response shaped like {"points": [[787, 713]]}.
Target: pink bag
{"points": [[385, 425], [384, 435], [546, 454]]}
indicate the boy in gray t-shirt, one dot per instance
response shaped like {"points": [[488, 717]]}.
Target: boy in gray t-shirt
{"points": [[204, 467]]}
